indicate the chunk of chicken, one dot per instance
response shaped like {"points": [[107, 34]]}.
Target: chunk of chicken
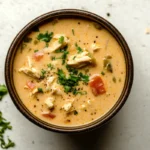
{"points": [[56, 89], [57, 45], [29, 70], [67, 106], [95, 47], [35, 91], [50, 102], [49, 82], [81, 60], [32, 72]]}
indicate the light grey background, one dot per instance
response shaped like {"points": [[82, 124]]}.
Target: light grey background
{"points": [[130, 129]]}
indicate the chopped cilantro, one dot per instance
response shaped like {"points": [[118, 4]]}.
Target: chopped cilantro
{"points": [[79, 49], [36, 51], [74, 57], [53, 58], [75, 112], [64, 55], [102, 73], [114, 79], [108, 65], [67, 88], [35, 42], [43, 72], [27, 40], [61, 39], [84, 78], [3, 91], [40, 90], [69, 83], [4, 124], [50, 66], [119, 79], [73, 32], [46, 37]]}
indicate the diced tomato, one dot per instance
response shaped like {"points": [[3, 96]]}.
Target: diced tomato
{"points": [[38, 55], [97, 85], [48, 114], [31, 85]]}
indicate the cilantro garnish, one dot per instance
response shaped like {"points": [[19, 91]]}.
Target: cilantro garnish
{"points": [[50, 66], [61, 39], [3, 91], [40, 90], [79, 49], [43, 72], [46, 37], [4, 124]]}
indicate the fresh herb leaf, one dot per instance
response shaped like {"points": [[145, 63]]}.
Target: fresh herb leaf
{"points": [[46, 37], [61, 39], [73, 32], [69, 83], [27, 40], [3, 91], [102, 73], [79, 49], [43, 72], [119, 79], [36, 29], [50, 66], [75, 112], [74, 57], [40, 90], [67, 88], [5, 125], [114, 79], [36, 51], [108, 65], [64, 55], [84, 78], [35, 42], [53, 58]]}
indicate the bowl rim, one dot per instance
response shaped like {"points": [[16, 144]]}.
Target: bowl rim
{"points": [[71, 13]]}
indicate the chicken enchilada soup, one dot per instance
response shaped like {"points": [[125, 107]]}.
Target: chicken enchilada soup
{"points": [[69, 71]]}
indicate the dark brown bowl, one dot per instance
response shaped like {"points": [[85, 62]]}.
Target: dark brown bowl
{"points": [[58, 14]]}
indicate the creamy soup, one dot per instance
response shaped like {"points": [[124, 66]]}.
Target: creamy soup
{"points": [[69, 72]]}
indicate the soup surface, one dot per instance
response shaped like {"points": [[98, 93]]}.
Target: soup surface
{"points": [[69, 71]]}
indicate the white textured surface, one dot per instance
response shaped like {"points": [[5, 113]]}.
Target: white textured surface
{"points": [[130, 129]]}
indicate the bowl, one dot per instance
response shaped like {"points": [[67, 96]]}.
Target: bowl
{"points": [[71, 13]]}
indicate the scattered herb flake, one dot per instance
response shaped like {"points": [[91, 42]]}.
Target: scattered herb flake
{"points": [[73, 32], [40, 90], [36, 51], [61, 39], [102, 73], [46, 37], [114, 79], [119, 79], [50, 66], [3, 91], [79, 49], [43, 72], [75, 112], [108, 65], [53, 58]]}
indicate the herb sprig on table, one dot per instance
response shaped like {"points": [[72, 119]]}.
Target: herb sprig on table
{"points": [[4, 124]]}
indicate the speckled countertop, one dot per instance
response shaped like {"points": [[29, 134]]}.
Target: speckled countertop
{"points": [[130, 129]]}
